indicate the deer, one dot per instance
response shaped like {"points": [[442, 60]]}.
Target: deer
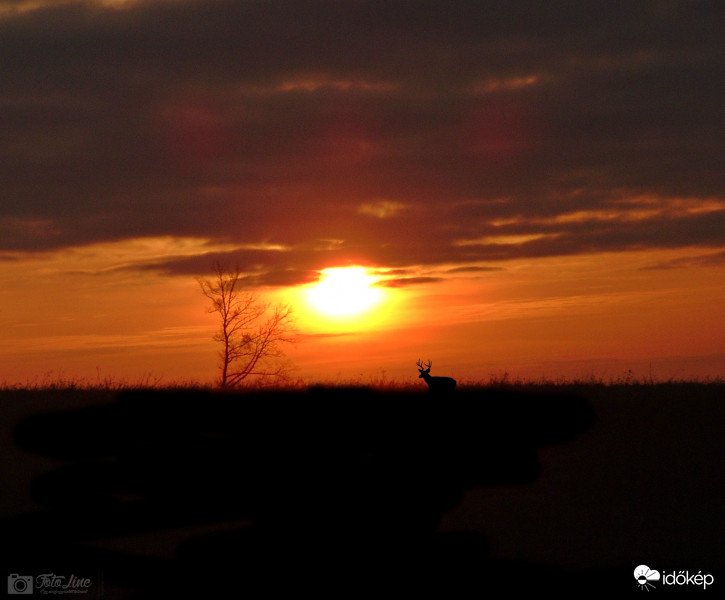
{"points": [[435, 384]]}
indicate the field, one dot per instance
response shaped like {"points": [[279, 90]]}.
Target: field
{"points": [[533, 486]]}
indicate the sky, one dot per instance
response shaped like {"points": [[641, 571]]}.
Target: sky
{"points": [[535, 188]]}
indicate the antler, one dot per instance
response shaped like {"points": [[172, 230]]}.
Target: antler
{"points": [[419, 365], [428, 364]]}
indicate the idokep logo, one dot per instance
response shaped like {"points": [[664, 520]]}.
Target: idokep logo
{"points": [[647, 577]]}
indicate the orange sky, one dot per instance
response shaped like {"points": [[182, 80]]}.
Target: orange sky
{"points": [[74, 314], [538, 191]]}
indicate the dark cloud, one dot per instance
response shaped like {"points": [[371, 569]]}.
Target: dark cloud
{"points": [[712, 259], [396, 129], [408, 281], [473, 269]]}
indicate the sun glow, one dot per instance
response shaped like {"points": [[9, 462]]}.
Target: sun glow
{"points": [[344, 291]]}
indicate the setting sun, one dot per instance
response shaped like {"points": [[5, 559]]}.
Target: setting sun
{"points": [[344, 291]]}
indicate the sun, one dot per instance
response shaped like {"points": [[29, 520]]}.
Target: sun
{"points": [[344, 291]]}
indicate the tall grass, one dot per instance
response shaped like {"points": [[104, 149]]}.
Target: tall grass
{"points": [[52, 381], [379, 382]]}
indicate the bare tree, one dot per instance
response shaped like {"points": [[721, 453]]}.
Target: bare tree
{"points": [[251, 344]]}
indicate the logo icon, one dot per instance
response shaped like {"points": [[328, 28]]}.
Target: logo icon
{"points": [[20, 584], [645, 576]]}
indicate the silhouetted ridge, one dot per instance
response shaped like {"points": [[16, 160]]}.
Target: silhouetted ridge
{"points": [[355, 470]]}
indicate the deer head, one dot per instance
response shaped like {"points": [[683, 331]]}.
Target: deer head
{"points": [[424, 370]]}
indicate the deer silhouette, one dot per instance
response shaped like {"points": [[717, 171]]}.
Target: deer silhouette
{"points": [[435, 384]]}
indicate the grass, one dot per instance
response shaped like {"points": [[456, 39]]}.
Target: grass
{"points": [[378, 382], [59, 382]]}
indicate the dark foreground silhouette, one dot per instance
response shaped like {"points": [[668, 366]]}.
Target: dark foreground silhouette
{"points": [[339, 488]]}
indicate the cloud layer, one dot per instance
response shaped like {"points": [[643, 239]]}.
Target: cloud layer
{"points": [[388, 133]]}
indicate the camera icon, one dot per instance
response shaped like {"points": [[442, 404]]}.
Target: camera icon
{"points": [[20, 584]]}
